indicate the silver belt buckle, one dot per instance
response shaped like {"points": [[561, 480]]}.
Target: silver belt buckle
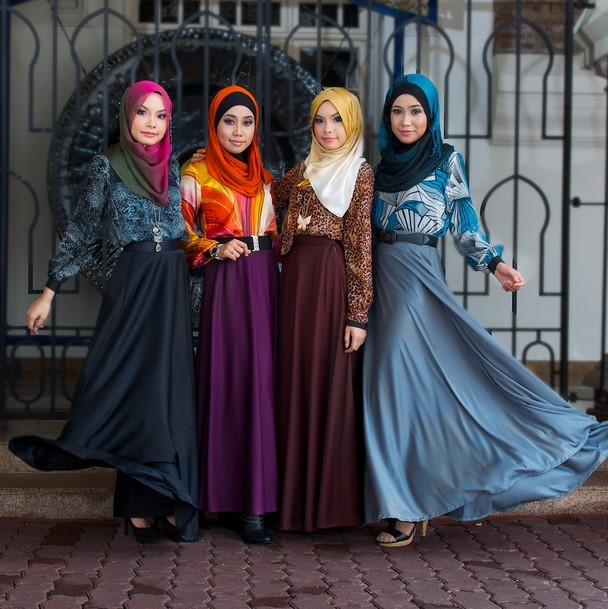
{"points": [[256, 243]]}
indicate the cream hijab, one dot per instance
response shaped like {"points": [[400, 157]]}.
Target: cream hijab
{"points": [[333, 173]]}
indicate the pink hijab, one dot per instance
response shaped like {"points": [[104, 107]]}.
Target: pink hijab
{"points": [[143, 169]]}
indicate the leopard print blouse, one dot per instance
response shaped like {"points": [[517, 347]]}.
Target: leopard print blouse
{"points": [[353, 230]]}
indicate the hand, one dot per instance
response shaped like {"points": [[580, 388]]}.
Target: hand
{"points": [[509, 278], [353, 338], [199, 155], [233, 249], [39, 310]]}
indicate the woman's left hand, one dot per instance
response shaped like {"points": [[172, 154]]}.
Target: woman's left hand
{"points": [[199, 155], [509, 278], [353, 338]]}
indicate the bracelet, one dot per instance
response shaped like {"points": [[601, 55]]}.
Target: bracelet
{"points": [[214, 252]]}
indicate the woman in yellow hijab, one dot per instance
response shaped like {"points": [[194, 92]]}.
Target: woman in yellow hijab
{"points": [[325, 293]]}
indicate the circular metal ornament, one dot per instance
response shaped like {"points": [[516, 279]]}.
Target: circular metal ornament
{"points": [[83, 130]]}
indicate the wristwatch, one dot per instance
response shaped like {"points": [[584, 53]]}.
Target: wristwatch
{"points": [[214, 251]]}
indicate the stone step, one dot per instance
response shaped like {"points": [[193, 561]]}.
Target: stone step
{"points": [[590, 498], [28, 493], [87, 494], [82, 494]]}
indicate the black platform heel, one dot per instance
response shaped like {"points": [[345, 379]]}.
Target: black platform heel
{"points": [[173, 533], [171, 530], [142, 534]]}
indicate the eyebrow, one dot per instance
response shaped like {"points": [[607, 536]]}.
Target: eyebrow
{"points": [[144, 107], [406, 106], [331, 116], [235, 116]]}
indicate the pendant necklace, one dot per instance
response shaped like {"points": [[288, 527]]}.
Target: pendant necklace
{"points": [[157, 231]]}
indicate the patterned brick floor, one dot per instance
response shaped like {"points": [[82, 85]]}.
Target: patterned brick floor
{"points": [[557, 563]]}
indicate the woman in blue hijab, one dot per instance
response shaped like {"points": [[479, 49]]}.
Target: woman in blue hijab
{"points": [[454, 425]]}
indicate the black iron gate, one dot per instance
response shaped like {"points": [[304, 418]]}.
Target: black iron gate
{"points": [[79, 63]]}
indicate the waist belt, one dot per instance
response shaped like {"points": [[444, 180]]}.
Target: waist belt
{"points": [[254, 242], [391, 236], [150, 246]]}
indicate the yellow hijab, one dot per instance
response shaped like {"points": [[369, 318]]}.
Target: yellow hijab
{"points": [[333, 173]]}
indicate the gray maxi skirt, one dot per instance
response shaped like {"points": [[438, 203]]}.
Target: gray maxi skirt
{"points": [[454, 425]]}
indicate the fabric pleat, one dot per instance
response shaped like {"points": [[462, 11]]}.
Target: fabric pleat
{"points": [[318, 413], [454, 425], [134, 403], [235, 362]]}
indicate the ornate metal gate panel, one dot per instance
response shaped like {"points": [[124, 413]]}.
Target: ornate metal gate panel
{"points": [[64, 66]]}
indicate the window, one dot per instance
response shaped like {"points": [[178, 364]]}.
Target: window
{"points": [[168, 11], [228, 11], [191, 7], [250, 13], [308, 14], [334, 65]]}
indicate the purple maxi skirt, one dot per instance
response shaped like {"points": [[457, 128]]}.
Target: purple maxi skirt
{"points": [[235, 364]]}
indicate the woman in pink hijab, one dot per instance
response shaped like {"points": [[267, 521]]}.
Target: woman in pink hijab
{"points": [[134, 406]]}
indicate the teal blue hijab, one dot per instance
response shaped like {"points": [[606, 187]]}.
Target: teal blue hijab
{"points": [[405, 165]]}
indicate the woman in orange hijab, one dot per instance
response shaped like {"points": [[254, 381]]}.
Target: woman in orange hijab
{"points": [[227, 205]]}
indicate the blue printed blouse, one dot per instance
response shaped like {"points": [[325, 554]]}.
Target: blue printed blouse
{"points": [[439, 203]]}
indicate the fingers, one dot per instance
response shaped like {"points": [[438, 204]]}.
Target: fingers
{"points": [[234, 249], [355, 345], [35, 323], [510, 279], [353, 338], [347, 340], [39, 310], [510, 286]]}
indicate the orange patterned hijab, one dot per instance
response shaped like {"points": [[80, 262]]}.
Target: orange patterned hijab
{"points": [[247, 178]]}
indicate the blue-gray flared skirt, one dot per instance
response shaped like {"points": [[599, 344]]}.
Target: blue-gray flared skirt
{"points": [[454, 425]]}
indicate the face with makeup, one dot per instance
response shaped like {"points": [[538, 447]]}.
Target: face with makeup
{"points": [[328, 128], [236, 129], [150, 121], [408, 119]]}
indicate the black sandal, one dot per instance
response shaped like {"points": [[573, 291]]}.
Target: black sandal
{"points": [[400, 538]]}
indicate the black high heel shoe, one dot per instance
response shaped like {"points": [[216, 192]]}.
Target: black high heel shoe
{"points": [[142, 534], [173, 532]]}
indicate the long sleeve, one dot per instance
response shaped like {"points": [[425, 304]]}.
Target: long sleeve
{"points": [[84, 228], [353, 230], [283, 187], [464, 224], [197, 244], [357, 241]]}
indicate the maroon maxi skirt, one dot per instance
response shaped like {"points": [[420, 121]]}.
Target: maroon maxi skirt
{"points": [[317, 417], [235, 360]]}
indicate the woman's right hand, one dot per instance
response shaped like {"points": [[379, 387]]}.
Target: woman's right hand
{"points": [[234, 249], [39, 310]]}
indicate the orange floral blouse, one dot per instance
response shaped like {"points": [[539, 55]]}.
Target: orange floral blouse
{"points": [[212, 210]]}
